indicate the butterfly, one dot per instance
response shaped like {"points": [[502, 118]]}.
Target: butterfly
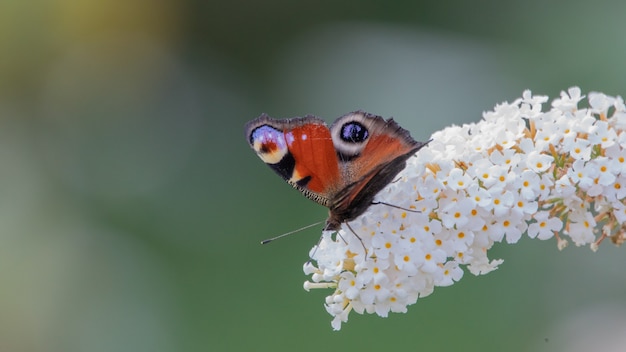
{"points": [[341, 167]]}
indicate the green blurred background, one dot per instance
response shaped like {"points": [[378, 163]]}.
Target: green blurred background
{"points": [[131, 207]]}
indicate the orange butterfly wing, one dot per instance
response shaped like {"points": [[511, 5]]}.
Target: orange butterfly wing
{"points": [[371, 158], [301, 151]]}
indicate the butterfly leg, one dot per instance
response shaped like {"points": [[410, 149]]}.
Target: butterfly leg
{"points": [[396, 206], [312, 255], [357, 236]]}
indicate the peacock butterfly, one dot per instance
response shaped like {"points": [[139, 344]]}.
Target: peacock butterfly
{"points": [[342, 167]]}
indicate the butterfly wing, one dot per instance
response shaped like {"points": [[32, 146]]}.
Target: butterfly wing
{"points": [[301, 151], [371, 151], [381, 142], [342, 168]]}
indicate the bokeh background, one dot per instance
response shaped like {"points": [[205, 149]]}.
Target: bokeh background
{"points": [[131, 207]]}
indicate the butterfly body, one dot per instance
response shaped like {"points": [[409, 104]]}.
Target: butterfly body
{"points": [[341, 167]]}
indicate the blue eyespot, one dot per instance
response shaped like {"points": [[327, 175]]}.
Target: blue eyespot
{"points": [[354, 132]]}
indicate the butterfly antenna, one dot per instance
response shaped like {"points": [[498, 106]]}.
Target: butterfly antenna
{"points": [[290, 233]]}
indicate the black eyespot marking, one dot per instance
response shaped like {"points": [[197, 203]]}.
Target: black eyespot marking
{"points": [[354, 132], [285, 166], [251, 137]]}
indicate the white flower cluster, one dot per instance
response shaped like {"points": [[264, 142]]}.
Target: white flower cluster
{"points": [[519, 170]]}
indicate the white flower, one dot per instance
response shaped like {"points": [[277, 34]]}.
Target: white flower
{"points": [[550, 174], [606, 172], [617, 155], [524, 207], [538, 162], [456, 214], [374, 292], [527, 184], [616, 191], [373, 270], [508, 157], [603, 134], [581, 228], [582, 175], [545, 186], [568, 101], [544, 226], [580, 149], [458, 180], [451, 274], [501, 201]]}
